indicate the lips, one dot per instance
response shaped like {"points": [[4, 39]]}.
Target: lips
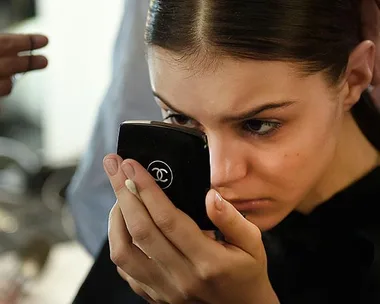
{"points": [[250, 205]]}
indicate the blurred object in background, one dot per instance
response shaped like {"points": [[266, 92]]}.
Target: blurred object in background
{"points": [[19, 270], [44, 126], [33, 215], [14, 11], [54, 282], [24, 245]]}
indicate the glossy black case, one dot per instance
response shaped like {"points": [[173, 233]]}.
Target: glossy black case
{"points": [[177, 158]]}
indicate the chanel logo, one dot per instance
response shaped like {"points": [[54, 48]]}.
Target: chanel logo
{"points": [[162, 173]]}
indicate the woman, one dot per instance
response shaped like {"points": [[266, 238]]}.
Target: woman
{"points": [[280, 90]]}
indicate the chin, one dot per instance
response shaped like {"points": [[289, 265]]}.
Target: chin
{"points": [[264, 222]]}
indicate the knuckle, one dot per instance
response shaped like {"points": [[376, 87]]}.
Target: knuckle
{"points": [[119, 257], [119, 189], [165, 223], [208, 272], [140, 232]]}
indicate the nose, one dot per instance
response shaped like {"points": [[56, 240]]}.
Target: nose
{"points": [[228, 164]]}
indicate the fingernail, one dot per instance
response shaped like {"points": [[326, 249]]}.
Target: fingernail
{"points": [[219, 202], [40, 60], [40, 40], [128, 170], [111, 166]]}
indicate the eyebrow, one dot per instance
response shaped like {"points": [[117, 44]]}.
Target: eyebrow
{"points": [[167, 103], [240, 117]]}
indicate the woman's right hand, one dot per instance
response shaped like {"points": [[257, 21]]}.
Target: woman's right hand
{"points": [[11, 63], [371, 30]]}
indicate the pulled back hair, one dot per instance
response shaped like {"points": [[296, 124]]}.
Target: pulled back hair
{"points": [[319, 35]]}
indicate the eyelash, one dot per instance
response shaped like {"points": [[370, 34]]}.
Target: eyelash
{"points": [[248, 126]]}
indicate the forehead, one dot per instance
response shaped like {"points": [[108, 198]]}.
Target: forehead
{"points": [[226, 82]]}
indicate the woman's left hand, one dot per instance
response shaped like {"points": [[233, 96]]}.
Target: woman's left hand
{"points": [[166, 258]]}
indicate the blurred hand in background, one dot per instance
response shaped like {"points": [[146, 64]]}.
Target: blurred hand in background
{"points": [[16, 57]]}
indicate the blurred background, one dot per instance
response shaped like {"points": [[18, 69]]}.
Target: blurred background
{"points": [[44, 127]]}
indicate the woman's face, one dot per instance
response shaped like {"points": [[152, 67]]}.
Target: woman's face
{"points": [[272, 133]]}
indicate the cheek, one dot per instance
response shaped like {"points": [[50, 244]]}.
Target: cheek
{"points": [[293, 166]]}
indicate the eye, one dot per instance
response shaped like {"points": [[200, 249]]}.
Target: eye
{"points": [[180, 119], [261, 127]]}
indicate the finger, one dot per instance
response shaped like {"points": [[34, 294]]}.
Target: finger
{"points": [[235, 228], [6, 86], [142, 229], [210, 234], [139, 288], [177, 227], [21, 64], [135, 265], [123, 252], [12, 44]]}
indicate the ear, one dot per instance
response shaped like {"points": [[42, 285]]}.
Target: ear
{"points": [[359, 72]]}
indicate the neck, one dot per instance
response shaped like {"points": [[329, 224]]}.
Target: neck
{"points": [[354, 158]]}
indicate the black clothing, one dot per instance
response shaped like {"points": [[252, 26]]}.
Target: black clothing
{"points": [[329, 256]]}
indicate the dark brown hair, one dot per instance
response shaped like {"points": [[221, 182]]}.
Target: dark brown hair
{"points": [[318, 34]]}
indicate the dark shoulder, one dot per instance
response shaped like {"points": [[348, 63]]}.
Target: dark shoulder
{"points": [[333, 254]]}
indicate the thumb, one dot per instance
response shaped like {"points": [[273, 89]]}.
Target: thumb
{"points": [[236, 229]]}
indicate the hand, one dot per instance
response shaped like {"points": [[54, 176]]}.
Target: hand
{"points": [[166, 258], [12, 63], [371, 30]]}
